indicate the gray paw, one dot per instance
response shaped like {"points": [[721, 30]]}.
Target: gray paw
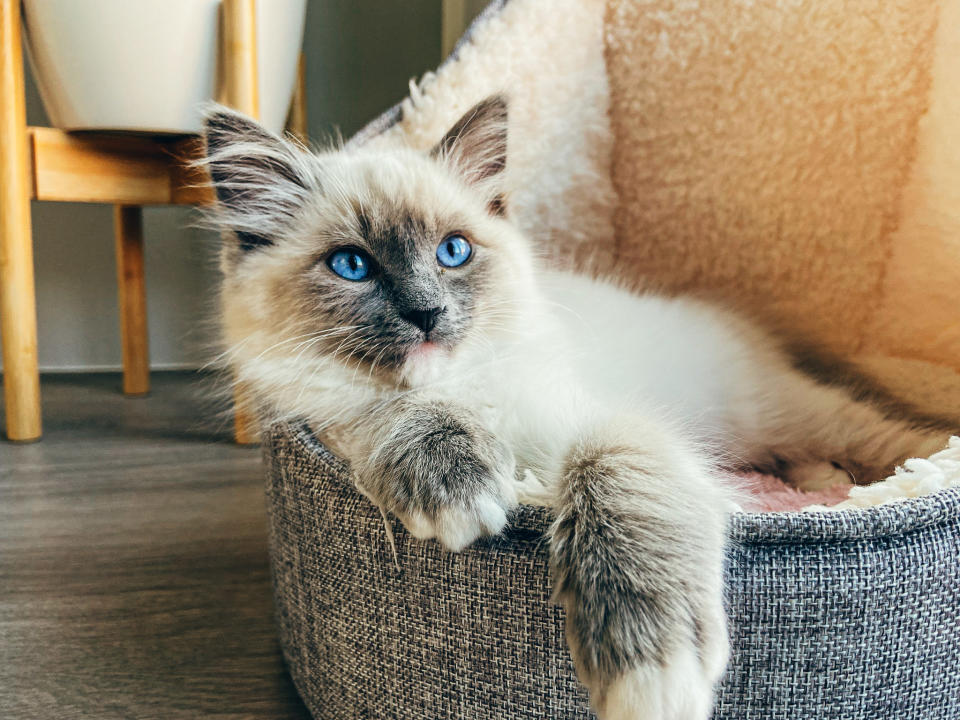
{"points": [[443, 475], [637, 558], [649, 644], [679, 688]]}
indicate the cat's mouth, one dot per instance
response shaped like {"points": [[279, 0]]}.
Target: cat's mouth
{"points": [[423, 362], [404, 356], [408, 354], [424, 350]]}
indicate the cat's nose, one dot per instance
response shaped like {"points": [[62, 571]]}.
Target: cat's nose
{"points": [[426, 320]]}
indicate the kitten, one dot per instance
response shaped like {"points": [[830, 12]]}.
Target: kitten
{"points": [[386, 297]]}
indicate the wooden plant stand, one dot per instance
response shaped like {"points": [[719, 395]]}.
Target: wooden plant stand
{"points": [[126, 171]]}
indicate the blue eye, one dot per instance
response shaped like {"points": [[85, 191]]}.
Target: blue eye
{"points": [[350, 264], [454, 251]]}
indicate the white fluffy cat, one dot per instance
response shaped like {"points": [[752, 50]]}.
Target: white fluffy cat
{"points": [[387, 298]]}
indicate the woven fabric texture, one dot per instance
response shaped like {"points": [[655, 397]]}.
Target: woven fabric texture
{"points": [[853, 615]]}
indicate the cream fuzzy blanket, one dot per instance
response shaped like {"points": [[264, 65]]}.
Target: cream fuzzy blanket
{"points": [[800, 160]]}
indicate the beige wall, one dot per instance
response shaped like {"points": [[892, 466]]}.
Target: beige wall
{"points": [[360, 55], [456, 16]]}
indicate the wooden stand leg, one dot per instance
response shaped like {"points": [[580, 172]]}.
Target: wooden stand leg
{"points": [[18, 309], [132, 298], [242, 93], [297, 117], [240, 56], [244, 425]]}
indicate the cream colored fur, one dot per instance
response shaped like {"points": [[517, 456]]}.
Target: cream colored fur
{"points": [[687, 146], [619, 403]]}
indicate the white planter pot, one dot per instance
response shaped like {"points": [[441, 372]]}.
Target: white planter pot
{"points": [[147, 65]]}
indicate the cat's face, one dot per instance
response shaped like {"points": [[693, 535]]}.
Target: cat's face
{"points": [[383, 261]]}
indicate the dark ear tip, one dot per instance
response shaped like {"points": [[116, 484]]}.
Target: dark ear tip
{"points": [[216, 115], [495, 106], [499, 100], [478, 140], [218, 125], [221, 124]]}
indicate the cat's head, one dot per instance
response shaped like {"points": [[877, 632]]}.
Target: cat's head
{"points": [[386, 262]]}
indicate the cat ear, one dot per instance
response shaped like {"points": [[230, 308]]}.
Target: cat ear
{"points": [[261, 181], [476, 146]]}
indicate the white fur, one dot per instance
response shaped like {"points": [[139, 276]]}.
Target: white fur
{"points": [[680, 689], [457, 527], [551, 360], [575, 351], [566, 352], [558, 177]]}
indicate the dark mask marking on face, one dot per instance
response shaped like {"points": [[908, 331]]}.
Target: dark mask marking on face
{"points": [[409, 287]]}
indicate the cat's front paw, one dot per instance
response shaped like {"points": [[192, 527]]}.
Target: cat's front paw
{"points": [[444, 476], [458, 524], [637, 558], [649, 668], [679, 685]]}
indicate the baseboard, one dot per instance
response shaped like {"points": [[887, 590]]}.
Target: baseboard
{"points": [[54, 369]]}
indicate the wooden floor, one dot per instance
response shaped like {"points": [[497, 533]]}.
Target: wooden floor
{"points": [[133, 562]]}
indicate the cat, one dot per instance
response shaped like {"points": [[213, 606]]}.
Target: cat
{"points": [[386, 297]]}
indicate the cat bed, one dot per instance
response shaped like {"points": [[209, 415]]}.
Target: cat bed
{"points": [[851, 614], [796, 160]]}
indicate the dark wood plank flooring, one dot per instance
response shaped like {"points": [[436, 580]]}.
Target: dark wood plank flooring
{"points": [[133, 563]]}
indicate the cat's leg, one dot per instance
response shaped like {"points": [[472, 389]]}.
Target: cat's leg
{"points": [[637, 556], [816, 475], [438, 469], [826, 434]]}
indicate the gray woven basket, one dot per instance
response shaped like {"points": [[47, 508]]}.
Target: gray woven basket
{"points": [[852, 615]]}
